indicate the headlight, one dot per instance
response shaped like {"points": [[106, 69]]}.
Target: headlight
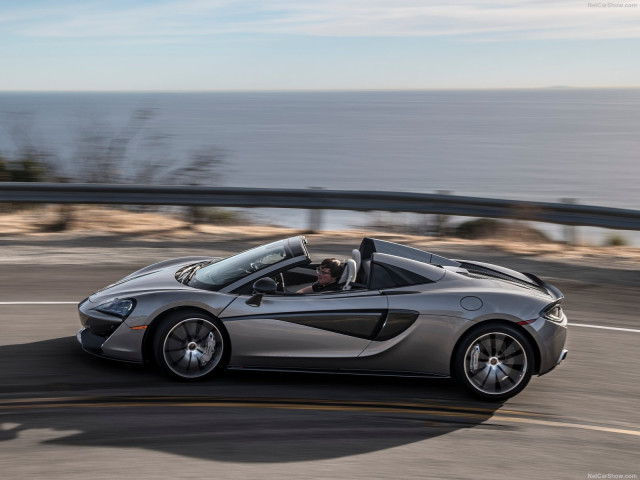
{"points": [[119, 308], [553, 312]]}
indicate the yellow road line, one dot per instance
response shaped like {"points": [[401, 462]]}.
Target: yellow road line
{"points": [[582, 426], [191, 400], [486, 415]]}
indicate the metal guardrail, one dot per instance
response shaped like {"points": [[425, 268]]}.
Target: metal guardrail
{"points": [[560, 213]]}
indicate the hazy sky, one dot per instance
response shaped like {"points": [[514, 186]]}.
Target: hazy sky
{"points": [[315, 44]]}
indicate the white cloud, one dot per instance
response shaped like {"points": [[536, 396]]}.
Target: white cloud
{"points": [[479, 20]]}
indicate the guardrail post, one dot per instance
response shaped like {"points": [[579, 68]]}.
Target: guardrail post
{"points": [[440, 221], [315, 216], [570, 237]]}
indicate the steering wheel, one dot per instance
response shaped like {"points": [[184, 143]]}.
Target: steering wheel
{"points": [[280, 282]]}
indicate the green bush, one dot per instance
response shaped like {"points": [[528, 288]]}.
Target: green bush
{"points": [[28, 168], [479, 228], [489, 228], [616, 241], [215, 216], [5, 173]]}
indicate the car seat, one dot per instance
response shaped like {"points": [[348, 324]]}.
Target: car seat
{"points": [[348, 274]]}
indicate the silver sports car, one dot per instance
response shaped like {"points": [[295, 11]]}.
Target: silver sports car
{"points": [[399, 311]]}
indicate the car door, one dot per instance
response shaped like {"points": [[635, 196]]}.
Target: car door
{"points": [[306, 331]]}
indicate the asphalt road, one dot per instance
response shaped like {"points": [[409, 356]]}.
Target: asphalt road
{"points": [[65, 414]]}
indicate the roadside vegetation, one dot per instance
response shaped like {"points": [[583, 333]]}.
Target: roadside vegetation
{"points": [[474, 229], [616, 241], [26, 168], [133, 153]]}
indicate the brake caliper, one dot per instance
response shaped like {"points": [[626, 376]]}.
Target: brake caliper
{"points": [[208, 350], [473, 360]]}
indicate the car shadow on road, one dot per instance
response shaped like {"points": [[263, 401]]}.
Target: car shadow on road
{"points": [[239, 417]]}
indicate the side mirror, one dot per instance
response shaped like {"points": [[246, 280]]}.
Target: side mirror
{"points": [[261, 287], [265, 285]]}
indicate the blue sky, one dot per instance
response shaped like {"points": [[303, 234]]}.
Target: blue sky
{"points": [[195, 45]]}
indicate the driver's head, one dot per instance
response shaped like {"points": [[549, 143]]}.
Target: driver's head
{"points": [[329, 271]]}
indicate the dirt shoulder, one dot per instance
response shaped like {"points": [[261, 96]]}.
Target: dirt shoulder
{"points": [[96, 235]]}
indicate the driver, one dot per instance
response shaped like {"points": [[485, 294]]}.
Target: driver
{"points": [[329, 272]]}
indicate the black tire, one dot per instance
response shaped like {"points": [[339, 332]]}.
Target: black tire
{"points": [[191, 346], [494, 362]]}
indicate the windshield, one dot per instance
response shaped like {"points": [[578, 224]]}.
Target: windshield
{"points": [[231, 269]]}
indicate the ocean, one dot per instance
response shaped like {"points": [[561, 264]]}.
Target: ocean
{"points": [[541, 145]]}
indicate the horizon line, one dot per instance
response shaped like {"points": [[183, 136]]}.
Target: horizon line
{"points": [[336, 90]]}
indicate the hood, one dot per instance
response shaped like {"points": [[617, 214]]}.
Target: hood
{"points": [[174, 262], [159, 276]]}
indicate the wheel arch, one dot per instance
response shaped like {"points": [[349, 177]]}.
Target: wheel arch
{"points": [[497, 322]]}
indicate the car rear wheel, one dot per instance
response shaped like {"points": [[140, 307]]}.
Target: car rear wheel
{"points": [[494, 362], [191, 346]]}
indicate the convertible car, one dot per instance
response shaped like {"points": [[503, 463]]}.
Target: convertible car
{"points": [[399, 311]]}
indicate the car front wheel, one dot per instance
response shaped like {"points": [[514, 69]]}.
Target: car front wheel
{"points": [[191, 346], [494, 362]]}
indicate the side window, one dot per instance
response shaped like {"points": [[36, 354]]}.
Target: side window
{"points": [[388, 276]]}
